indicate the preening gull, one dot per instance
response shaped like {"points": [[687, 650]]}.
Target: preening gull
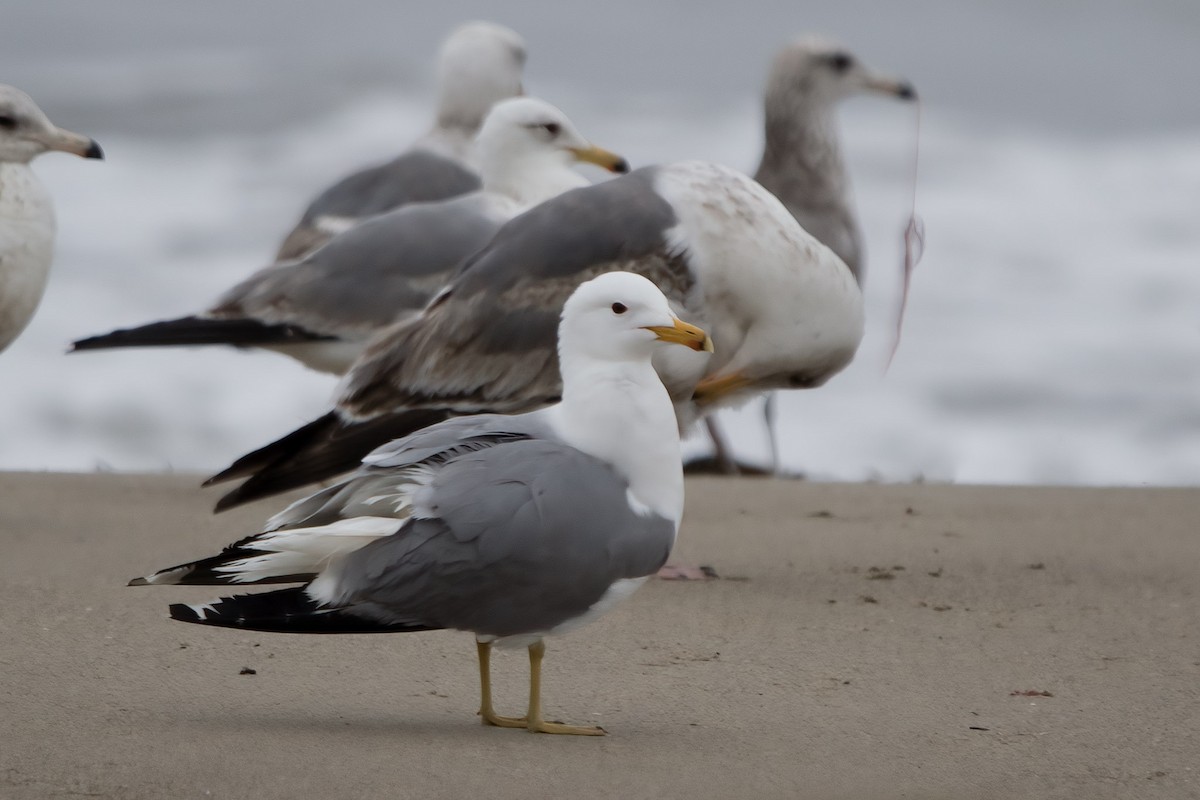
{"points": [[512, 528], [27, 222], [783, 310], [322, 309], [802, 161], [480, 63]]}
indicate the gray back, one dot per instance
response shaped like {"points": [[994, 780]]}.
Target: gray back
{"points": [[528, 534]]}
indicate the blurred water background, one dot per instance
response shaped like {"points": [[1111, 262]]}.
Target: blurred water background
{"points": [[1053, 328]]}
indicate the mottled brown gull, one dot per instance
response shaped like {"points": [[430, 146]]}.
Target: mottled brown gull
{"points": [[802, 161]]}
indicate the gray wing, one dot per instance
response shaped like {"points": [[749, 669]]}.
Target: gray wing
{"points": [[488, 342], [413, 177], [389, 468], [367, 277], [527, 535]]}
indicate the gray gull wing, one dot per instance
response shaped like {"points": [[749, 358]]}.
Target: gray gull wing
{"points": [[413, 177], [364, 278], [522, 536], [514, 290]]}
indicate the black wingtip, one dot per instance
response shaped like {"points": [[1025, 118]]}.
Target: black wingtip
{"points": [[89, 343], [229, 500], [202, 331], [283, 611], [322, 449], [94, 151], [279, 450], [182, 612]]}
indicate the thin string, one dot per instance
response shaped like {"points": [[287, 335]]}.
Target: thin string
{"points": [[914, 241]]}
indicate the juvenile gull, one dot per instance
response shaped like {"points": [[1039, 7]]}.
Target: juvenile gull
{"points": [[512, 528], [27, 222], [322, 309], [802, 161], [783, 310], [479, 64]]}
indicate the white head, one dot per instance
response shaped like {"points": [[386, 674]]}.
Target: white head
{"points": [[480, 64], [26, 132], [526, 148], [621, 316], [815, 70]]}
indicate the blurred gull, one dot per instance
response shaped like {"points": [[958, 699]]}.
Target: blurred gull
{"points": [[783, 310], [322, 309], [802, 156], [480, 63], [27, 221], [512, 528], [802, 159]]}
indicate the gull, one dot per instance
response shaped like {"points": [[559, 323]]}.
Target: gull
{"points": [[322, 309], [479, 64], [512, 528], [27, 222], [802, 161], [782, 308]]}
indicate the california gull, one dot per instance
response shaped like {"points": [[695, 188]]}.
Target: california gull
{"points": [[322, 309], [479, 64], [511, 528], [27, 222], [782, 308]]}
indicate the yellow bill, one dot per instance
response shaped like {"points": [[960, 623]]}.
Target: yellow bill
{"points": [[684, 334], [605, 159]]}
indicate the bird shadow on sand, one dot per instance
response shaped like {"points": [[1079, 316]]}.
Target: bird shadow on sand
{"points": [[300, 723]]}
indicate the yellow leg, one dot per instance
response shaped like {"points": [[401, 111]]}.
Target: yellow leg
{"points": [[715, 387], [489, 715], [535, 722]]}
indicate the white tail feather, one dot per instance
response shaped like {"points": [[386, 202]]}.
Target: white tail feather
{"points": [[307, 550]]}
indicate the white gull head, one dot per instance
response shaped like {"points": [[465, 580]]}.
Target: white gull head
{"points": [[26, 132], [614, 405], [479, 65], [816, 70], [526, 148]]}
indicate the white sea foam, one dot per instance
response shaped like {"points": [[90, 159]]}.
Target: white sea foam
{"points": [[1052, 333]]}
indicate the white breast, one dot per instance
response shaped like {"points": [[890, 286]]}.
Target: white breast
{"points": [[777, 302], [615, 594], [26, 247]]}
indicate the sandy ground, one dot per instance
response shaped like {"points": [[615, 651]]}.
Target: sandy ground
{"points": [[863, 642]]}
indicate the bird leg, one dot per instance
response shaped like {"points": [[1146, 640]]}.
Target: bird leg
{"points": [[715, 387], [535, 723], [489, 715], [769, 417], [721, 456]]}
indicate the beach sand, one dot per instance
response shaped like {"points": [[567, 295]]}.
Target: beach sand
{"points": [[864, 641]]}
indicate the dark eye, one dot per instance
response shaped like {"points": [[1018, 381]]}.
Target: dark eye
{"points": [[552, 128], [619, 308], [7, 122], [840, 62]]}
